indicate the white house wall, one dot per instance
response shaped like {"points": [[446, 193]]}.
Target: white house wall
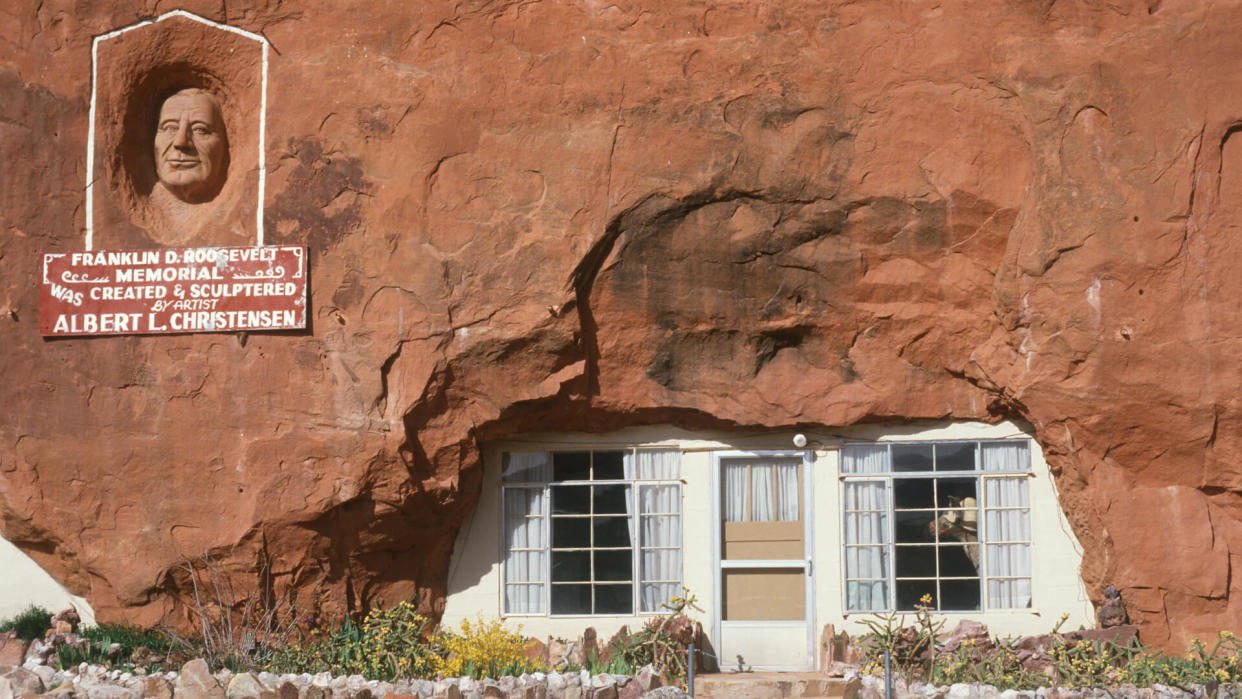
{"points": [[474, 588], [24, 583]]}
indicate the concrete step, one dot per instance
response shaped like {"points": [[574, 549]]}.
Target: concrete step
{"points": [[773, 685]]}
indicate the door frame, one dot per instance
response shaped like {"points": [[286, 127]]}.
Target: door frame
{"points": [[807, 459]]}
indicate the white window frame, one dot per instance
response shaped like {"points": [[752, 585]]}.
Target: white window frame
{"points": [[888, 477], [636, 514]]}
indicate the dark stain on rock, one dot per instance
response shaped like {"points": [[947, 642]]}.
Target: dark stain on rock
{"points": [[768, 343], [322, 201], [688, 360]]}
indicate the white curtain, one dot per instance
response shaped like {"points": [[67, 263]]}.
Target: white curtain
{"points": [[658, 464], [525, 541], [526, 466], [761, 509], [866, 545], [869, 458], [660, 542], [1008, 535], [787, 492], [1007, 456], [735, 492]]}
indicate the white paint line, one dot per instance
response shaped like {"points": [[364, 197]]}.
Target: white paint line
{"points": [[90, 150], [90, 133], [258, 224]]}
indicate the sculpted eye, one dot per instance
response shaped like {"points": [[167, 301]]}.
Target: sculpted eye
{"points": [[169, 127], [200, 130]]}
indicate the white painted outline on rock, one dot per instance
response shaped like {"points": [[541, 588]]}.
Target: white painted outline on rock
{"points": [[90, 136]]}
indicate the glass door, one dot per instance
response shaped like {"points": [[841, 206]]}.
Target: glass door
{"points": [[762, 543]]}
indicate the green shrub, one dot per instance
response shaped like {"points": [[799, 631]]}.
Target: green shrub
{"points": [[338, 650], [1070, 663], [30, 624], [911, 649], [100, 638], [616, 665], [390, 644], [999, 667], [663, 641]]}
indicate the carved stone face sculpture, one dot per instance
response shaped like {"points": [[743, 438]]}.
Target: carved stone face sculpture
{"points": [[191, 148]]}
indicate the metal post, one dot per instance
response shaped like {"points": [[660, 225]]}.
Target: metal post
{"points": [[690, 670], [888, 677]]}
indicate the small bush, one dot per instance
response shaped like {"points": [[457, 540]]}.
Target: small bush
{"points": [[483, 649], [99, 640], [663, 641], [338, 650], [394, 644], [29, 624], [1068, 662], [390, 644]]}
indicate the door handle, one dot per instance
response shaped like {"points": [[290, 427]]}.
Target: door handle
{"points": [[810, 566]]}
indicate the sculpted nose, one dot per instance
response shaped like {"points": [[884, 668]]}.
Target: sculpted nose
{"points": [[182, 139]]}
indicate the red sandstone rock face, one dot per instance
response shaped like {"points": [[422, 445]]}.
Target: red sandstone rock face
{"points": [[554, 215]]}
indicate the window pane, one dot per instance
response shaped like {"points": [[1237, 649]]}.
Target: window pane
{"points": [[611, 531], [614, 565], [609, 465], [868, 458], [571, 499], [524, 599], [866, 527], [520, 502], [1009, 594], [571, 533], [571, 465], [735, 491], [959, 561], [661, 463], [959, 595], [524, 566], [611, 499], [660, 499], [1006, 492], [909, 592], [912, 457], [571, 599], [614, 599], [661, 531], [956, 457], [1009, 525], [916, 561], [865, 596], [571, 565], [1009, 560], [524, 466], [1007, 456], [914, 527], [952, 492], [866, 562], [913, 493], [655, 595]]}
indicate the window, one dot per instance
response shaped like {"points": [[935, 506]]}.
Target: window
{"points": [[945, 520], [591, 532]]}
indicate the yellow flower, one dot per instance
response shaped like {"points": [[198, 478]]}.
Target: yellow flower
{"points": [[926, 598]]}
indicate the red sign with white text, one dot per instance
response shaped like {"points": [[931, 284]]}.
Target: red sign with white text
{"points": [[173, 290]]}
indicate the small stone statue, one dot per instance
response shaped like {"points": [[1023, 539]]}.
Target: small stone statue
{"points": [[1113, 611]]}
